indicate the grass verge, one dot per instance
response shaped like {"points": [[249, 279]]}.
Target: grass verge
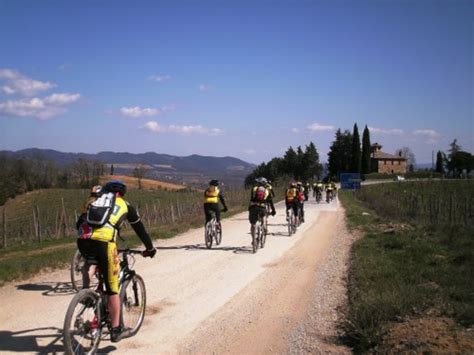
{"points": [[400, 271]]}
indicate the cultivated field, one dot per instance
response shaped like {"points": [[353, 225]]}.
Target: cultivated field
{"points": [[411, 274]]}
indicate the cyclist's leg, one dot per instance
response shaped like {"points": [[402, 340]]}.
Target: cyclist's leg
{"points": [[295, 212], [207, 211], [89, 253], [253, 217], [217, 210], [109, 265]]}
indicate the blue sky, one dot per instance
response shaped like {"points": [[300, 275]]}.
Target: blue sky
{"points": [[240, 78]]}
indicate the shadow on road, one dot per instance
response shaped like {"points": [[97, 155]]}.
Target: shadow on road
{"points": [[49, 288], [237, 250], [47, 340]]}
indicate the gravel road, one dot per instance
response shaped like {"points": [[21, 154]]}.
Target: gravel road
{"points": [[223, 300]]}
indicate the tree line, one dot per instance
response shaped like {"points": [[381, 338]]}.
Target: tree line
{"points": [[20, 175], [296, 164], [454, 162], [349, 154]]}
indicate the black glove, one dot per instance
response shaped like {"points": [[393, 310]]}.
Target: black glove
{"points": [[225, 209], [149, 253], [274, 213]]}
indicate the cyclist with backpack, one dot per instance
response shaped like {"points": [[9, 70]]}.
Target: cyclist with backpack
{"points": [[98, 228], [292, 200], [259, 197], [212, 196]]}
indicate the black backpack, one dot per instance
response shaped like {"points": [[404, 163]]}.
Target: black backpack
{"points": [[99, 211]]}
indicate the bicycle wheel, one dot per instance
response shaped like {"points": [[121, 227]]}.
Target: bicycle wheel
{"points": [[82, 329], [133, 301], [218, 234], [263, 236], [77, 264], [258, 234], [290, 223], [254, 239], [208, 235]]}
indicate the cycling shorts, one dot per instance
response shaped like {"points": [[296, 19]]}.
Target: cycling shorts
{"points": [[105, 255]]}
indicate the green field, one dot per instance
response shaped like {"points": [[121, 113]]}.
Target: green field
{"points": [[416, 257]]}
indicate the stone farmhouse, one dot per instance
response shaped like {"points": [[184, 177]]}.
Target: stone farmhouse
{"points": [[385, 163]]}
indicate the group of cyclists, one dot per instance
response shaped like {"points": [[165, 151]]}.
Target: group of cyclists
{"points": [[99, 224]]}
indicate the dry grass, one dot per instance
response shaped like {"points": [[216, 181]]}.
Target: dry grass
{"points": [[147, 184]]}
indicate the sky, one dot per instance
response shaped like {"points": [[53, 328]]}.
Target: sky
{"points": [[239, 78]]}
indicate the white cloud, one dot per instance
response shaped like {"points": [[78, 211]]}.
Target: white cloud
{"points": [[318, 127], [186, 130], [17, 83], [249, 151], [204, 87], [431, 134], [154, 127], [295, 130], [62, 99], [391, 131], [136, 111], [159, 78], [39, 108], [34, 107]]}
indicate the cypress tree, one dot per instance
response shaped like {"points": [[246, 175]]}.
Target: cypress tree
{"points": [[439, 162], [365, 158], [355, 152]]}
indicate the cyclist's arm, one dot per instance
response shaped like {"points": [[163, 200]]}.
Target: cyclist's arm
{"points": [[221, 198], [135, 221]]}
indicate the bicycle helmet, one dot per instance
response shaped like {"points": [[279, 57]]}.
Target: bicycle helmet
{"points": [[214, 182], [261, 181], [116, 186]]}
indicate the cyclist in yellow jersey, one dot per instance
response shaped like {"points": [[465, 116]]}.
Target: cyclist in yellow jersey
{"points": [[271, 194], [212, 196], [97, 245]]}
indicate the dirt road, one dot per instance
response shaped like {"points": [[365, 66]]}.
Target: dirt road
{"points": [[221, 300]]}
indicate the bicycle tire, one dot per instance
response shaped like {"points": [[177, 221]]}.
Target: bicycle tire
{"points": [[133, 304], [218, 235], [254, 239], [208, 235], [258, 236], [77, 264], [290, 224], [263, 237], [82, 328]]}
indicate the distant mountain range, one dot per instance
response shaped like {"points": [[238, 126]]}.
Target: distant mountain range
{"points": [[191, 170]]}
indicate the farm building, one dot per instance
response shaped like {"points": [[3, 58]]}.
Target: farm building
{"points": [[387, 163]]}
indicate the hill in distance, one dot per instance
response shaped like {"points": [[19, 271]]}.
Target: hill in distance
{"points": [[193, 170]]}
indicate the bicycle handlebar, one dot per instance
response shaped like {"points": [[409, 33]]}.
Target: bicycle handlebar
{"points": [[130, 251]]}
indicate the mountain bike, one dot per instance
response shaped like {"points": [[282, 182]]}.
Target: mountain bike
{"points": [[291, 222], [329, 196], [77, 265], [212, 231], [319, 196], [259, 232], [87, 317]]}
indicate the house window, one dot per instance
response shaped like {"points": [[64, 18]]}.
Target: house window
{"points": [[384, 162]]}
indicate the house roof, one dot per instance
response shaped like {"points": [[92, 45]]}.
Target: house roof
{"points": [[382, 155]]}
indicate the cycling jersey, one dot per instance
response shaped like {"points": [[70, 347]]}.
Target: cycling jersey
{"points": [[98, 243], [211, 195]]}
